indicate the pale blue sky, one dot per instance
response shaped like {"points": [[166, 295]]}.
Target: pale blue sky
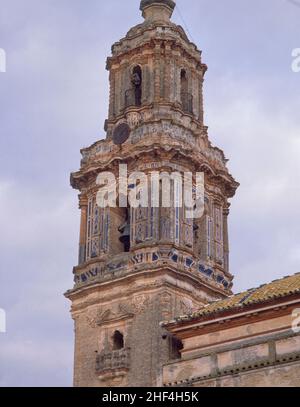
{"points": [[53, 101]]}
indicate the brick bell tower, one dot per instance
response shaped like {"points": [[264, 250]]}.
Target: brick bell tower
{"points": [[140, 266]]}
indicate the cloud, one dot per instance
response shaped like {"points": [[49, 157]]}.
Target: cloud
{"points": [[54, 100], [263, 144], [39, 240], [36, 363]]}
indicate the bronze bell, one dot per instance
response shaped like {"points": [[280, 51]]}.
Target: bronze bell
{"points": [[125, 237]]}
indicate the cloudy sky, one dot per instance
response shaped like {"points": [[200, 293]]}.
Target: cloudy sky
{"points": [[53, 101]]}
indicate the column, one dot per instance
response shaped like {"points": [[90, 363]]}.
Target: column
{"points": [[226, 238], [112, 96], [157, 61], [167, 73], [83, 206]]}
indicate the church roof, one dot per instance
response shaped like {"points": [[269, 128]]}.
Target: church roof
{"points": [[265, 293]]}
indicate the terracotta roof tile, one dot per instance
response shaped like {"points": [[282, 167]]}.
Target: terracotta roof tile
{"points": [[276, 289]]}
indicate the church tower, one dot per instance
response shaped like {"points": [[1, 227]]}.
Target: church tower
{"points": [[142, 265]]}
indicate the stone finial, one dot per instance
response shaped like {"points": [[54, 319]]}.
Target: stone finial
{"points": [[157, 9]]}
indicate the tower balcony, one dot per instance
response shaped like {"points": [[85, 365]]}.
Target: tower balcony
{"points": [[187, 102], [113, 360], [156, 257]]}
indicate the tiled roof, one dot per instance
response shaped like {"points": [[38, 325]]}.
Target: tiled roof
{"points": [[267, 292]]}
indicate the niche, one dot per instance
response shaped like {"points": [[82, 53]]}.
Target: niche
{"points": [[118, 340], [136, 81]]}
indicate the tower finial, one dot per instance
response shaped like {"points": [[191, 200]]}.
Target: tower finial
{"points": [[157, 9]]}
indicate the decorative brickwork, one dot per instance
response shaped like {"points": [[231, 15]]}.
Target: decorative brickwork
{"points": [[140, 266]]}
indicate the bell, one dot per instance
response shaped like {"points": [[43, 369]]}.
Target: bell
{"points": [[195, 227], [125, 238]]}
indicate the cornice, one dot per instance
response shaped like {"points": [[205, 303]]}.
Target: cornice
{"points": [[127, 46], [147, 272], [195, 157]]}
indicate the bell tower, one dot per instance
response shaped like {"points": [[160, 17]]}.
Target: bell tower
{"points": [[140, 265]]}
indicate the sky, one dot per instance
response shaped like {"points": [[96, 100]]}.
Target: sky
{"points": [[54, 101]]}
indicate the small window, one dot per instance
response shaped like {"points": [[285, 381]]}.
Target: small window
{"points": [[118, 341], [124, 229], [176, 347]]}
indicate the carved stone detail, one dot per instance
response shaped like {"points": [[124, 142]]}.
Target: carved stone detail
{"points": [[106, 315], [186, 306], [140, 303], [166, 305]]}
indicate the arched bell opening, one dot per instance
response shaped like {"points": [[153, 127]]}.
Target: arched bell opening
{"points": [[133, 96], [186, 97]]}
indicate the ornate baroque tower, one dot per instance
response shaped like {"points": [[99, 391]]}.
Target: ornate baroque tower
{"points": [[140, 266]]}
